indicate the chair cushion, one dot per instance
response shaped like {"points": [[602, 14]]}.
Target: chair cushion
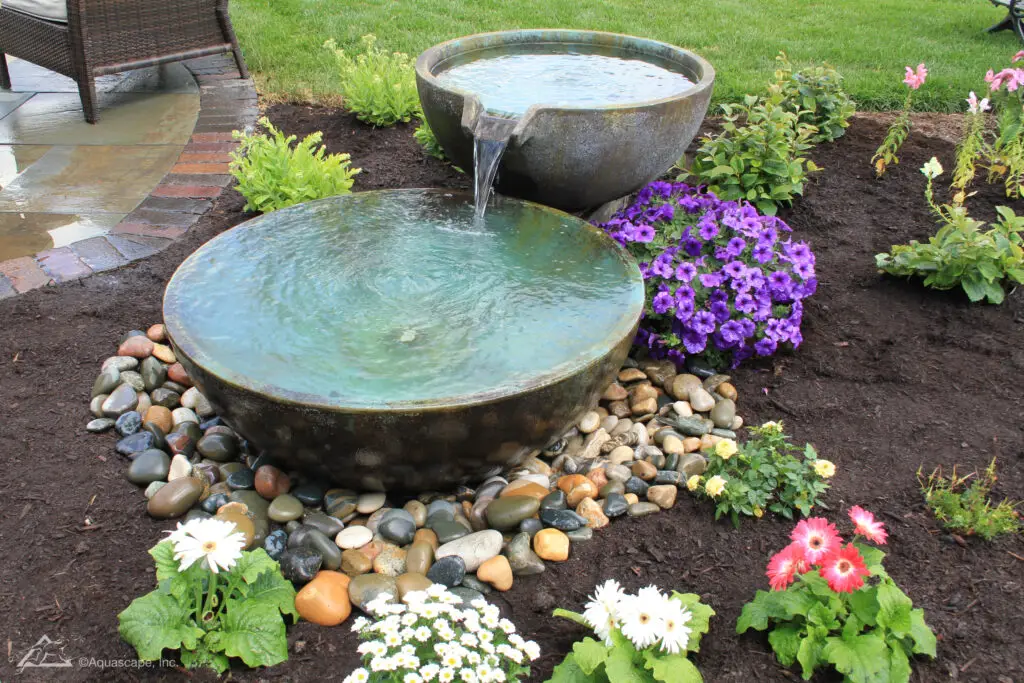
{"points": [[51, 10]]}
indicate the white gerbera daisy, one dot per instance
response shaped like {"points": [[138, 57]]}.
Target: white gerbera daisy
{"points": [[429, 671], [640, 620], [216, 541], [467, 676], [602, 610], [360, 675], [675, 633], [422, 634], [446, 674]]}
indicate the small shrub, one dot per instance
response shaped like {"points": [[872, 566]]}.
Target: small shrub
{"points": [[723, 281], [816, 96], [766, 473], [967, 509], [424, 135], [272, 175], [431, 636], [217, 602], [642, 637], [848, 615], [378, 86], [898, 131], [960, 253], [758, 156]]}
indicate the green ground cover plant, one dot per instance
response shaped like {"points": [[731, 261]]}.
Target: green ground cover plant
{"points": [[378, 86], [272, 174], [963, 503]]}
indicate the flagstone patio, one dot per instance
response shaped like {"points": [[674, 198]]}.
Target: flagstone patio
{"points": [[78, 198]]}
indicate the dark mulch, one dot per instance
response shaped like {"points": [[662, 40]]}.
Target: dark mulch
{"points": [[891, 377]]}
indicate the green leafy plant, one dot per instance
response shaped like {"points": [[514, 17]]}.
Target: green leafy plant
{"points": [[961, 253], [213, 601], [424, 135], [272, 175], [643, 637], [766, 473], [848, 615], [430, 635], [898, 131], [378, 86], [964, 506], [815, 94], [761, 159], [972, 148]]}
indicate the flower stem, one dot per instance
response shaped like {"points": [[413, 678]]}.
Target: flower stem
{"points": [[571, 616], [211, 590]]}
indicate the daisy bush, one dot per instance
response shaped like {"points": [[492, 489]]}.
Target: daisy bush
{"points": [[723, 281], [213, 601], [641, 637], [766, 473], [431, 636], [833, 604]]}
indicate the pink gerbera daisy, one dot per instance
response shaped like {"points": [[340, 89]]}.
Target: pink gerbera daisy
{"points": [[844, 570], [785, 565], [816, 538], [866, 525]]}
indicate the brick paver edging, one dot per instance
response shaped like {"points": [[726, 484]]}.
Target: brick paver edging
{"points": [[227, 102]]}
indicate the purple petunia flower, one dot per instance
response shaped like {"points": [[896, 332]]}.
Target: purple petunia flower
{"points": [[684, 309], [799, 252], [662, 302], [689, 203], [720, 310], [685, 293], [735, 269], [765, 347], [694, 341], [732, 332], [708, 228], [665, 212], [643, 233], [686, 271], [804, 269], [703, 322], [763, 253], [711, 279], [745, 303], [768, 235], [692, 246], [736, 246]]}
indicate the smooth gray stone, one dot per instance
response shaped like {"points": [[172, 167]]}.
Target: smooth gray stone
{"points": [[99, 425], [521, 558], [149, 466], [153, 372], [106, 382]]}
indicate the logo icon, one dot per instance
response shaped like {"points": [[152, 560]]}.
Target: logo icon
{"points": [[45, 654]]}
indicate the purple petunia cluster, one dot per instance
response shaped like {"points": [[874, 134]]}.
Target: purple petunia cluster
{"points": [[723, 281]]}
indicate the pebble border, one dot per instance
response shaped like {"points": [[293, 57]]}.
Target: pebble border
{"points": [[227, 102]]}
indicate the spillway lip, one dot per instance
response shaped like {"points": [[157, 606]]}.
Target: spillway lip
{"points": [[191, 349], [698, 69]]}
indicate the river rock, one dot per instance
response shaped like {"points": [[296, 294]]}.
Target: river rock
{"points": [[411, 581], [136, 347], [243, 479], [135, 443], [353, 537], [614, 392], [366, 588], [615, 505], [355, 563], [646, 406], [521, 558], [450, 531], [637, 486], [165, 398], [390, 561], [180, 415], [175, 499], [631, 375], [164, 353], [418, 512], [197, 402], [419, 557], [99, 425], [506, 513], [180, 467], [551, 545], [591, 510], [285, 508], [120, 363], [176, 373], [120, 401], [564, 520], [149, 466], [448, 571], [324, 600], [474, 549], [108, 380], [701, 401], [398, 527], [369, 503], [496, 572], [300, 565], [588, 423], [643, 509], [218, 447], [663, 495], [723, 413], [311, 537], [691, 464], [270, 482]]}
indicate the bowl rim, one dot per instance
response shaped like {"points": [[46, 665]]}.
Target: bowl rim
{"points": [[477, 41], [187, 348]]}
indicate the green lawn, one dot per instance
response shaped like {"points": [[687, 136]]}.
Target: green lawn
{"points": [[868, 40]]}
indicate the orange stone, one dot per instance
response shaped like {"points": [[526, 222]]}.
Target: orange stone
{"points": [[598, 476], [427, 536], [644, 470], [497, 572], [531, 489], [176, 373], [571, 481], [159, 416], [579, 493], [164, 353], [591, 510], [136, 347], [373, 549], [157, 333], [272, 482], [551, 545], [324, 600]]}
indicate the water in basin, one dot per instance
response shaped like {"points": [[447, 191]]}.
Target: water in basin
{"points": [[401, 298], [512, 83]]}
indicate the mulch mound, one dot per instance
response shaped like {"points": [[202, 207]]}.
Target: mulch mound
{"points": [[891, 377]]}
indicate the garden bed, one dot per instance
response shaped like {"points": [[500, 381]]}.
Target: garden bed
{"points": [[891, 377]]}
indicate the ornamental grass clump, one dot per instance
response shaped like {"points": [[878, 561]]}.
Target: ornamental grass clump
{"points": [[641, 637], [834, 605], [213, 601], [723, 281], [430, 636], [767, 473], [378, 86]]}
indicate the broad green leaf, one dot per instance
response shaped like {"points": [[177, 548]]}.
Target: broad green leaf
{"points": [[899, 665], [860, 658], [201, 656], [155, 622], [672, 668], [570, 672], [785, 640], [924, 639], [253, 563], [700, 619], [893, 608], [974, 287], [809, 654], [163, 558], [273, 589], [590, 654], [620, 668], [253, 632]]}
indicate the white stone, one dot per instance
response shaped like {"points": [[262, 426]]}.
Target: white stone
{"points": [[370, 502], [179, 415], [195, 401], [682, 408], [589, 422], [153, 487], [353, 537], [701, 401], [144, 403], [474, 549], [180, 468], [121, 363], [642, 436], [541, 479]]}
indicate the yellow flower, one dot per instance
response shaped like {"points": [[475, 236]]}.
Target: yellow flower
{"points": [[772, 426], [824, 468], [758, 512], [693, 482], [725, 449], [714, 486]]}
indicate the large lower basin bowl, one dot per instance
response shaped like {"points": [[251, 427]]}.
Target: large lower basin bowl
{"points": [[386, 340], [572, 158]]}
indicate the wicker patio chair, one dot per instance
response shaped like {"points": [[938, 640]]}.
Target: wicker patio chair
{"points": [[108, 36]]}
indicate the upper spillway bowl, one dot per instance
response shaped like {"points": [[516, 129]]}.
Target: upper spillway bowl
{"points": [[386, 340], [573, 156]]}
